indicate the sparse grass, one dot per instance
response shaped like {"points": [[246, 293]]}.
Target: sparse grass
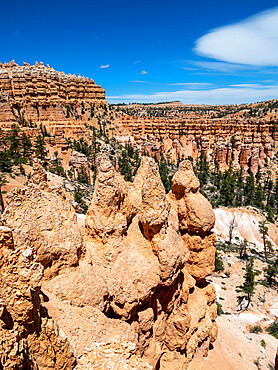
{"points": [[256, 329]]}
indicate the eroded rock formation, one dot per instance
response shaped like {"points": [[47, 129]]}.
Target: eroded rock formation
{"points": [[137, 295], [40, 96], [247, 143], [29, 339], [39, 86], [43, 222]]}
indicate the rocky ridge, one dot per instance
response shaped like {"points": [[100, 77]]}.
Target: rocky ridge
{"points": [[131, 289], [248, 142], [38, 95]]}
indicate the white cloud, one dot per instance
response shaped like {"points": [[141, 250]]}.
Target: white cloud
{"points": [[137, 61], [256, 86], [220, 66], [252, 41], [225, 95], [105, 66], [143, 72], [139, 81], [192, 84]]}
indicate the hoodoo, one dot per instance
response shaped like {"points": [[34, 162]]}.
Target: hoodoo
{"points": [[130, 290]]}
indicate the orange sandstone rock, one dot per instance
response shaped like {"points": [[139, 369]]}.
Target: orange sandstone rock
{"points": [[138, 297]]}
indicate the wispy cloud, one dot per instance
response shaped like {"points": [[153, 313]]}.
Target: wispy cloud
{"points": [[192, 84], [137, 61], [139, 81], [220, 66], [255, 86], [95, 36], [252, 41], [143, 72], [105, 66], [224, 95]]}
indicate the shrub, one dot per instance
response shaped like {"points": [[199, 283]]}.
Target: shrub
{"points": [[273, 329], [219, 266], [256, 329], [219, 308]]}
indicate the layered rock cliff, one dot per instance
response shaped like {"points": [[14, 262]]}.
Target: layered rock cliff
{"points": [[132, 290], [38, 95], [249, 143], [40, 86]]}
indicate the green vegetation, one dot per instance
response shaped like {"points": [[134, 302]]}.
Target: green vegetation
{"points": [[232, 188], [219, 266], [15, 149], [256, 329], [248, 286], [3, 181], [273, 329], [263, 228], [78, 197]]}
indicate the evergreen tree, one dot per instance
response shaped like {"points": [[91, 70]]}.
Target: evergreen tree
{"points": [[40, 149], [83, 176], [202, 168], [259, 197], [243, 249], [248, 286], [249, 190], [263, 228], [227, 189], [26, 147], [3, 181], [271, 272], [125, 166], [13, 142], [5, 161], [164, 174]]}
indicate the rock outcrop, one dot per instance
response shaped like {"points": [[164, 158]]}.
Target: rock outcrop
{"points": [[29, 339], [37, 95], [155, 272], [138, 297], [39, 85], [245, 142], [43, 222]]}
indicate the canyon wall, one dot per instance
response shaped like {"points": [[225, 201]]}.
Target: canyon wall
{"points": [[130, 292], [40, 86], [38, 95], [248, 142]]}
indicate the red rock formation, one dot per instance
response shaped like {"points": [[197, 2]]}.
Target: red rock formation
{"points": [[138, 293], [42, 96], [40, 86], [44, 222], [215, 136], [29, 339]]}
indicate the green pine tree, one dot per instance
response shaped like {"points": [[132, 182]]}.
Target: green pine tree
{"points": [[263, 228], [40, 149], [3, 182], [248, 286]]}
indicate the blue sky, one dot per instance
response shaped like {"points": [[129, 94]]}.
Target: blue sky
{"points": [[197, 52]]}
